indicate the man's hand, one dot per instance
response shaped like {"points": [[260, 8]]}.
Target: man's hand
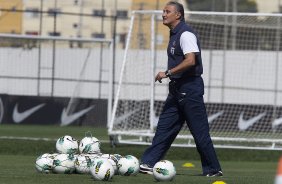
{"points": [[160, 76]]}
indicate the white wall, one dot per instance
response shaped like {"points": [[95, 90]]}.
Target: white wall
{"points": [[247, 76]]}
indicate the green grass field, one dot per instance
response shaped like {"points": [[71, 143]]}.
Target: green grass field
{"points": [[17, 158]]}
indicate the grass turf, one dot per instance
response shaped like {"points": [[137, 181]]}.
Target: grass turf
{"points": [[20, 169], [17, 158]]}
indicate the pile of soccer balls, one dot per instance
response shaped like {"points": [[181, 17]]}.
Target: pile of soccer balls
{"points": [[85, 157]]}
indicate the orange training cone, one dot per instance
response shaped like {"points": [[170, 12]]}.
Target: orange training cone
{"points": [[278, 179]]}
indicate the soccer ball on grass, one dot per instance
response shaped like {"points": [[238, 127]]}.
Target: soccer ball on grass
{"points": [[102, 169], [44, 163], [128, 165], [83, 163], [89, 145], [113, 160], [67, 145], [164, 170], [64, 164]]}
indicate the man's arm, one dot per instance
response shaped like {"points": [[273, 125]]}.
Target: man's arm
{"points": [[188, 62], [189, 46]]}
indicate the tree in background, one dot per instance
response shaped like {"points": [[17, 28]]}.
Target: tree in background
{"points": [[222, 5]]}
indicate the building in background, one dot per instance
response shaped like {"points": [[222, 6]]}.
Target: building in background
{"points": [[77, 18], [273, 6], [90, 19], [74, 18], [11, 21]]}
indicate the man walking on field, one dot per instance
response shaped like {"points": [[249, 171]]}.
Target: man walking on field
{"points": [[185, 99]]}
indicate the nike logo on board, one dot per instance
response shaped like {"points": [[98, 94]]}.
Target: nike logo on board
{"points": [[67, 119], [245, 124], [123, 117], [18, 117], [212, 117], [276, 122]]}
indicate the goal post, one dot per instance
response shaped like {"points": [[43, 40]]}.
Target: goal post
{"points": [[242, 61]]}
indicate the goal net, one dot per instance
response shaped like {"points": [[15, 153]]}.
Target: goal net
{"points": [[242, 73]]}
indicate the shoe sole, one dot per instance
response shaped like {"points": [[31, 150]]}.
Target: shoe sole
{"points": [[146, 172], [216, 175]]}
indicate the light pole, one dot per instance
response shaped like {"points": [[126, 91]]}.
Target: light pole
{"points": [[234, 25], [79, 30]]}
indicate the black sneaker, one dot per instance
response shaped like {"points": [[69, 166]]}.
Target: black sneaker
{"points": [[215, 174], [145, 169]]}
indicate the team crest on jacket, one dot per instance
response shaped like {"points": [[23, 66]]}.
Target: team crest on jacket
{"points": [[172, 50], [173, 47]]}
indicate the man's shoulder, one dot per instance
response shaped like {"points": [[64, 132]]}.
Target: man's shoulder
{"points": [[188, 27], [187, 34]]}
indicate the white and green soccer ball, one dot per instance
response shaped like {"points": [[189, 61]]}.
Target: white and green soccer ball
{"points": [[83, 162], [117, 157], [164, 170], [102, 170], [113, 160], [64, 164], [89, 145], [67, 145], [128, 165], [44, 163]]}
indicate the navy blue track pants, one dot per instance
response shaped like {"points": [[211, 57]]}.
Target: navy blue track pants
{"points": [[183, 104]]}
